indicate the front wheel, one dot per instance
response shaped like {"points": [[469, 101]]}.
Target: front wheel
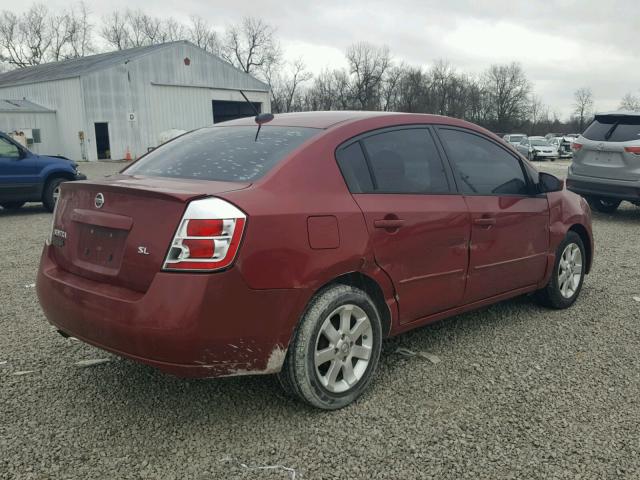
{"points": [[531, 157], [52, 192], [568, 274], [604, 205], [335, 350]]}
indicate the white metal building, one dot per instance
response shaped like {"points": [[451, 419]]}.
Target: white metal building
{"points": [[115, 105]]}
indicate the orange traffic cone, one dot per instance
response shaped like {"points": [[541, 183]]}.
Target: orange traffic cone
{"points": [[127, 155]]}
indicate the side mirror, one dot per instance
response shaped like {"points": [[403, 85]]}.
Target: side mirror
{"points": [[549, 183]]}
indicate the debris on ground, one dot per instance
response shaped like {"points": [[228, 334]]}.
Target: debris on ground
{"points": [[30, 285], [289, 470], [434, 359], [637, 299], [23, 372], [92, 362], [3, 362]]}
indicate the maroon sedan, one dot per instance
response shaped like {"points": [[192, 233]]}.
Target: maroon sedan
{"points": [[298, 251]]}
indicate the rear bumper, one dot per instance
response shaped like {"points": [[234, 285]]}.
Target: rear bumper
{"points": [[191, 325], [606, 188]]}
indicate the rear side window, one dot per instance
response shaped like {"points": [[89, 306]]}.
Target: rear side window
{"points": [[612, 128], [229, 154], [354, 169], [483, 167]]}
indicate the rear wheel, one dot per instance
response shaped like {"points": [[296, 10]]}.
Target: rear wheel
{"points": [[531, 157], [604, 205], [12, 205], [335, 350], [568, 274], [52, 192]]}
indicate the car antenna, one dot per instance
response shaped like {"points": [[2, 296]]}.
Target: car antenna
{"points": [[260, 117]]}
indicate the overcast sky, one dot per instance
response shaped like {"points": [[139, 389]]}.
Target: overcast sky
{"points": [[562, 44]]}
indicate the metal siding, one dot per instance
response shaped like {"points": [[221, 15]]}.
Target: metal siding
{"points": [[65, 98], [134, 88], [46, 122]]}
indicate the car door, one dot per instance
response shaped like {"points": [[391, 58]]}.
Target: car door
{"points": [[523, 147], [419, 227], [18, 173], [509, 221]]}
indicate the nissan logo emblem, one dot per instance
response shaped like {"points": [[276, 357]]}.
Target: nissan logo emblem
{"points": [[99, 200]]}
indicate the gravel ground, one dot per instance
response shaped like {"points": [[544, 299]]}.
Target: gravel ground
{"points": [[520, 392]]}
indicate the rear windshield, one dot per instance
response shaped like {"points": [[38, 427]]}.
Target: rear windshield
{"points": [[228, 154], [515, 138], [612, 128]]}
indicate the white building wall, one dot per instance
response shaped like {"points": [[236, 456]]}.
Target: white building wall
{"points": [[63, 96], [163, 93], [46, 122]]}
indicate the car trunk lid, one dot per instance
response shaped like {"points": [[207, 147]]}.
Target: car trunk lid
{"points": [[119, 230]]}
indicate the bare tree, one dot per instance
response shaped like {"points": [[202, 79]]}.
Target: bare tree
{"points": [[507, 90], [286, 87], [368, 65], [115, 30], [583, 106], [201, 34], [251, 46], [80, 31], [630, 102]]}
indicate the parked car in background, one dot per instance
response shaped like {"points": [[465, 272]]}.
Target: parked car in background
{"points": [[298, 250], [537, 148], [27, 177], [514, 138], [563, 145], [606, 161]]}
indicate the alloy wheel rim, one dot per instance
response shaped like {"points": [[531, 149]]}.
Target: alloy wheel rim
{"points": [[56, 194], [343, 348], [570, 270]]}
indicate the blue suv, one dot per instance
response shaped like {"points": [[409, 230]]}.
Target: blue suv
{"points": [[27, 177]]}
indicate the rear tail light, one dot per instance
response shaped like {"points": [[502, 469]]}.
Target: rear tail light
{"points": [[576, 146], [634, 150], [207, 238]]}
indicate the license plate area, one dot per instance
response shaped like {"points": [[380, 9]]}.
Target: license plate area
{"points": [[101, 246]]}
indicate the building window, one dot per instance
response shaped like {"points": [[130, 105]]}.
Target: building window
{"points": [[35, 133]]}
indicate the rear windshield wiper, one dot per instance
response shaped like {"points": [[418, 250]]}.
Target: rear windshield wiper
{"points": [[607, 135]]}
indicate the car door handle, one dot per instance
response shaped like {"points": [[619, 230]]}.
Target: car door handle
{"points": [[388, 223], [484, 221]]}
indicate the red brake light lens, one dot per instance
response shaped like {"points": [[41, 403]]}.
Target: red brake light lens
{"points": [[634, 150], [204, 228], [207, 238], [576, 146]]}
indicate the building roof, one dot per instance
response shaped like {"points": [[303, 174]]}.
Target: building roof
{"points": [[22, 106], [79, 66]]}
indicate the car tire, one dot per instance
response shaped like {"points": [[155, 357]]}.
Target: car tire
{"points": [[530, 157], [604, 205], [51, 191], [340, 327], [568, 274], [11, 205]]}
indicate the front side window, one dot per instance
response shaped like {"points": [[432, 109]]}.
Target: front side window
{"points": [[405, 161], [8, 149], [229, 154], [483, 167]]}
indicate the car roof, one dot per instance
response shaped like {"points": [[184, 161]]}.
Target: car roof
{"points": [[323, 119], [619, 113], [328, 119]]}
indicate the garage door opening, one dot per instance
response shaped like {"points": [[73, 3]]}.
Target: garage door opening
{"points": [[225, 110], [102, 141]]}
